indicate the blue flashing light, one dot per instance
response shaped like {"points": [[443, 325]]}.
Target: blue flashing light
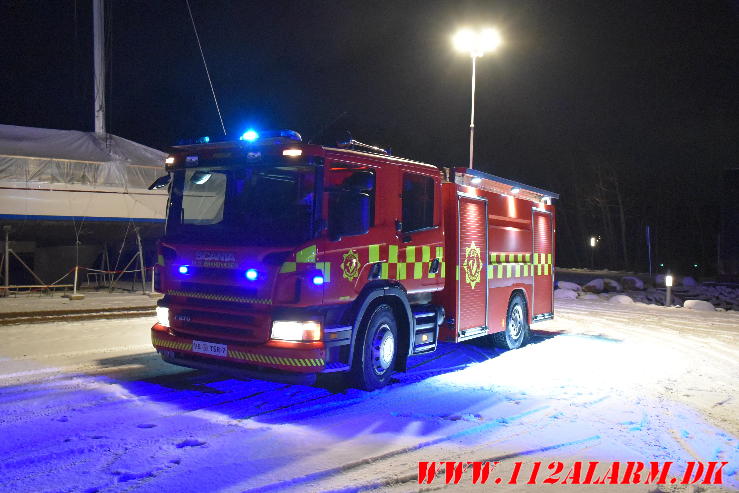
{"points": [[318, 280], [184, 269], [251, 274], [250, 135]]}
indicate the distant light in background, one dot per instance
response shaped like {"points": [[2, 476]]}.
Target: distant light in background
{"points": [[668, 280], [169, 160], [592, 241]]}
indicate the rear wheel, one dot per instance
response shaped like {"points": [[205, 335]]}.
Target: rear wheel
{"points": [[375, 357], [516, 333]]}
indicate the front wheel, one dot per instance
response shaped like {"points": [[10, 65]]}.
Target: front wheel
{"points": [[516, 332], [375, 357]]}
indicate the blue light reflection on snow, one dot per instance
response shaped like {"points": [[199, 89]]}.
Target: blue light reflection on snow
{"points": [[165, 430]]}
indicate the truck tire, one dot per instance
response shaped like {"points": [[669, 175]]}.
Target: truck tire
{"points": [[377, 350], [516, 333]]}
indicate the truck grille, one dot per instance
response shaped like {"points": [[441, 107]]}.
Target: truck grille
{"points": [[220, 327]]}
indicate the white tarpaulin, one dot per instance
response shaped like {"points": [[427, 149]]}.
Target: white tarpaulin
{"points": [[33, 157], [60, 173]]}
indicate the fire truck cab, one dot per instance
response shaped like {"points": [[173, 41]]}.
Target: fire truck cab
{"points": [[282, 260]]}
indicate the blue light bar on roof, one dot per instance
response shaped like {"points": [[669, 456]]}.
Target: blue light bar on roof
{"points": [[250, 135]]}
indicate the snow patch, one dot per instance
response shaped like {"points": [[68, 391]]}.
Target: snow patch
{"points": [[621, 299], [611, 286], [632, 283], [699, 305], [569, 285], [564, 294], [594, 286]]}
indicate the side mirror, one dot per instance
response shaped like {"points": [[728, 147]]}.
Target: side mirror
{"points": [[160, 182]]}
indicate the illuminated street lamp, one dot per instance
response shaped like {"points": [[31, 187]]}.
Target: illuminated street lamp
{"points": [[668, 285], [476, 44]]}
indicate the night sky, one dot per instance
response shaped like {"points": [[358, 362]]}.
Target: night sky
{"points": [[647, 88]]}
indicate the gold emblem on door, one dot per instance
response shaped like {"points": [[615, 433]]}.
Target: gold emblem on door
{"points": [[350, 265], [472, 265]]}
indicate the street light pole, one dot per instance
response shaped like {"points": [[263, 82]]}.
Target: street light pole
{"points": [[592, 251], [475, 44], [472, 114]]}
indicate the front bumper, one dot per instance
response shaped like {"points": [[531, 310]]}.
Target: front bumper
{"points": [[277, 355]]}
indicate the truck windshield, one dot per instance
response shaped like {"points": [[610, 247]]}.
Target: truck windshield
{"points": [[264, 205]]}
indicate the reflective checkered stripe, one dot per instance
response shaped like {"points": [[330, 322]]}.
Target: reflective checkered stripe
{"points": [[170, 344], [410, 262], [306, 258], [274, 360], [507, 265], [219, 297], [543, 264], [256, 358]]}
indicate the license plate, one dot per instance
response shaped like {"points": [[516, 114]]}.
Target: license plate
{"points": [[210, 348]]}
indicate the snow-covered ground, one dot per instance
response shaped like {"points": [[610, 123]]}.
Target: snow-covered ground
{"points": [[88, 406]]}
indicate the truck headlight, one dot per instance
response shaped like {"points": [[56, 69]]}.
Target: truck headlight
{"points": [[163, 316], [287, 330]]}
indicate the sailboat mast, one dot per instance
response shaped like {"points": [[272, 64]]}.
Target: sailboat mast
{"points": [[98, 21]]}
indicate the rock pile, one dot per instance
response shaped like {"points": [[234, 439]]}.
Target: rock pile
{"points": [[689, 293]]}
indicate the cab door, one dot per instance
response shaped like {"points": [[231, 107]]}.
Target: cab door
{"points": [[418, 253]]}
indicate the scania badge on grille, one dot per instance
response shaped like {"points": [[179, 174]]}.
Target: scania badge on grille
{"points": [[217, 259]]}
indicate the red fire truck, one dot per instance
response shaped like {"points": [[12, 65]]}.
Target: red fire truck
{"points": [[282, 260]]}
